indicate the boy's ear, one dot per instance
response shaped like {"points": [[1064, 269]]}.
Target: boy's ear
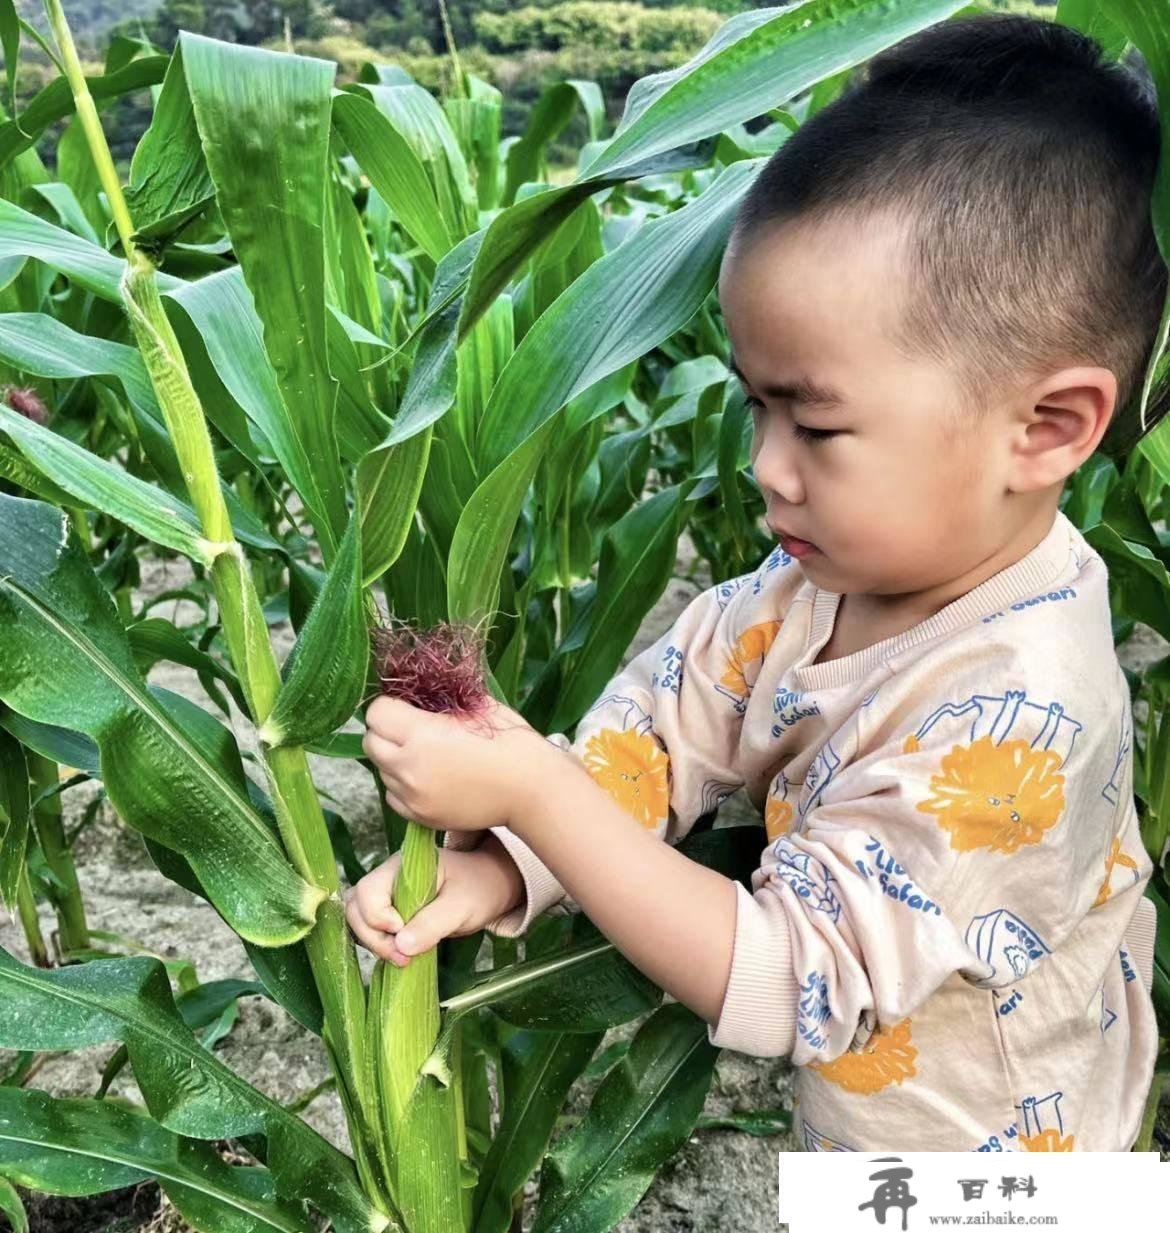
{"points": [[1061, 422]]}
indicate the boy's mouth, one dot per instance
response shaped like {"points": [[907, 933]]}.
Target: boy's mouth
{"points": [[797, 547], [793, 545]]}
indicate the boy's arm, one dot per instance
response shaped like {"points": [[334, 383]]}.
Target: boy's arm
{"points": [[940, 849], [662, 739], [673, 918]]}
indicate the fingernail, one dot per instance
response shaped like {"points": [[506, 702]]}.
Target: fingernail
{"points": [[406, 943]]}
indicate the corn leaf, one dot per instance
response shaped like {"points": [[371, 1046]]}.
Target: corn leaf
{"points": [[1137, 577], [651, 286], [187, 1089], [169, 180], [539, 1068], [15, 468], [637, 559], [554, 109], [12, 1207], [1143, 22], [14, 815], [82, 1147], [393, 168], [755, 61], [70, 749], [485, 528], [154, 514], [589, 985], [55, 101], [40, 344], [641, 1114], [264, 120], [326, 670], [419, 120], [54, 611], [284, 971], [24, 235], [220, 307]]}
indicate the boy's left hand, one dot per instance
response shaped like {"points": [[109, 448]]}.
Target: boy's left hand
{"points": [[449, 772]]}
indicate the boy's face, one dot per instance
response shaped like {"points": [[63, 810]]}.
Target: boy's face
{"points": [[900, 498]]}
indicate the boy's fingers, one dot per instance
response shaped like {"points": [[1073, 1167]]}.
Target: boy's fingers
{"points": [[383, 916], [430, 924], [377, 885], [374, 940]]}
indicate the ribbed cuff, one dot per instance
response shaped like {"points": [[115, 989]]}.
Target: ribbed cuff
{"points": [[541, 889], [761, 1003], [1140, 935]]}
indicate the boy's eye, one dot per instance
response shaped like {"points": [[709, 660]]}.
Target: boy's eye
{"points": [[812, 434], [798, 430]]}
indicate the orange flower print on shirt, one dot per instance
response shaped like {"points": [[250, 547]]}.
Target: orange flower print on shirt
{"points": [[999, 797], [1049, 1141], [632, 767], [778, 815], [751, 645], [888, 1057], [1042, 1125], [1116, 857]]}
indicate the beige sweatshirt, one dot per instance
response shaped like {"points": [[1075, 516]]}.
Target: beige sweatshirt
{"points": [[947, 931]]}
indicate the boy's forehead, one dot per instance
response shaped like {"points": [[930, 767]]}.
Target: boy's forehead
{"points": [[824, 291]]}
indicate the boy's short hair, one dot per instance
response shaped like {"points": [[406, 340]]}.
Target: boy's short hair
{"points": [[1023, 159]]}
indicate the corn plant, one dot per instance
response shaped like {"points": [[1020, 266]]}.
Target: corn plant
{"points": [[394, 390]]}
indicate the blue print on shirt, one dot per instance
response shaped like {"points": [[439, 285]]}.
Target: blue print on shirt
{"points": [[1006, 943], [815, 1141], [725, 590], [814, 1010], [1042, 1126], [993, 1144], [788, 709], [774, 560], [1049, 597], [1126, 970], [669, 673], [818, 777], [634, 719], [1044, 725], [807, 876], [1107, 1016], [889, 873], [1113, 787]]}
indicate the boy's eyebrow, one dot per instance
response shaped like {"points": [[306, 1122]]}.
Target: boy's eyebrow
{"points": [[801, 389]]}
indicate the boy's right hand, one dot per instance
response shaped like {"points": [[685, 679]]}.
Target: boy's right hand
{"points": [[473, 888]]}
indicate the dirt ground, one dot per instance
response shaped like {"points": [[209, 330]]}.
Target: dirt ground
{"points": [[721, 1180]]}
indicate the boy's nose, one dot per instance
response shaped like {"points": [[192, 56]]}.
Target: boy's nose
{"points": [[775, 470]]}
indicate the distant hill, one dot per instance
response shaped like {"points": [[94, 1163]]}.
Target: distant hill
{"points": [[89, 19]]}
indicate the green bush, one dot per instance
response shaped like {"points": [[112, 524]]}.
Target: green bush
{"points": [[580, 23]]}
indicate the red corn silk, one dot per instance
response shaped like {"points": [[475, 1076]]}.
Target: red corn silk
{"points": [[438, 669], [25, 401]]}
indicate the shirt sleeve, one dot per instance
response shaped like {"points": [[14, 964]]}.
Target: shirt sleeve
{"points": [[663, 737], [972, 834]]}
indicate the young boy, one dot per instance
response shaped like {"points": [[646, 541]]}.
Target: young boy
{"points": [[938, 292]]}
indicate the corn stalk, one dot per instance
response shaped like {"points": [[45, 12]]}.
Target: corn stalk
{"points": [[298, 811]]}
